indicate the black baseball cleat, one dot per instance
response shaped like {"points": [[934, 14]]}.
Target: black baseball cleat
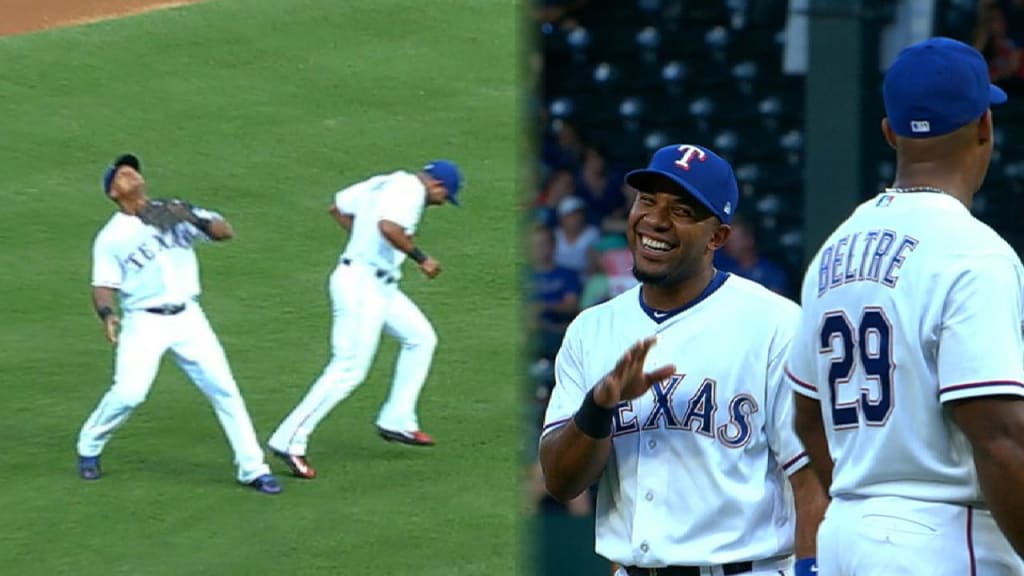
{"points": [[266, 484], [416, 438], [89, 467], [297, 464]]}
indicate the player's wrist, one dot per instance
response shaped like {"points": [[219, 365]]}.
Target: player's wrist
{"points": [[806, 567], [593, 419], [417, 255], [104, 312]]}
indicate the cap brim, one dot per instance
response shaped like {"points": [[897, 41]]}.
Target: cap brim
{"points": [[644, 180], [453, 200], [996, 95]]}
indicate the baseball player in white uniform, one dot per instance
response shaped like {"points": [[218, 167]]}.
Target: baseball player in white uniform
{"points": [[908, 360], [691, 439], [155, 276], [381, 214]]}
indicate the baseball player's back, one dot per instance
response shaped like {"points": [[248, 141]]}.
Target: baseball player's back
{"points": [[398, 197], [381, 215], [892, 305], [907, 362], [678, 488]]}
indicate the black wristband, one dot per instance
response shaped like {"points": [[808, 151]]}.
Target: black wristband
{"points": [[593, 420], [417, 255], [104, 312], [203, 224]]}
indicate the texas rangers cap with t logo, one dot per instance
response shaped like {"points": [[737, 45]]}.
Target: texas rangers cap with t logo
{"points": [[701, 172], [449, 175], [937, 86]]}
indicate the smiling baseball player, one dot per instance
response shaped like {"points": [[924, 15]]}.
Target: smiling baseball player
{"points": [[691, 439], [382, 214], [144, 256]]}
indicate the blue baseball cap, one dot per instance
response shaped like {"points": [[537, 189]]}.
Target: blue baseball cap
{"points": [[111, 171], [699, 171], [937, 86], [449, 175]]}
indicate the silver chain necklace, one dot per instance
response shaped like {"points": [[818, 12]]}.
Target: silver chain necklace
{"points": [[916, 189]]}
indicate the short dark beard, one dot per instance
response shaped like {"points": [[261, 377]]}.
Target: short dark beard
{"points": [[674, 277]]}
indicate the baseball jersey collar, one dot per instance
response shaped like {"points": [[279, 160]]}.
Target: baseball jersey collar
{"points": [[660, 316]]}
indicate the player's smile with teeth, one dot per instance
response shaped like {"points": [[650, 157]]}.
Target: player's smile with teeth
{"points": [[654, 244]]}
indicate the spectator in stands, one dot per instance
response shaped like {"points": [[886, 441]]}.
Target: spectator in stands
{"points": [[568, 145], [740, 256], [573, 236], [617, 220], [613, 263], [560, 184], [557, 12], [992, 37], [600, 187], [556, 293]]}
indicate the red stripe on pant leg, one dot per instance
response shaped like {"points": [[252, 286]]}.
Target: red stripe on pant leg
{"points": [[970, 541]]}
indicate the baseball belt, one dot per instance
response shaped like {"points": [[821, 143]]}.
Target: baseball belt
{"points": [[166, 309], [381, 274], [727, 569]]}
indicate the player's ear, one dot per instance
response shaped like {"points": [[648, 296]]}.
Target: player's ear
{"points": [[985, 127], [890, 136], [720, 236]]}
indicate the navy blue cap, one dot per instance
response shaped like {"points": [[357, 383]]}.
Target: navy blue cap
{"points": [[937, 86], [448, 173], [701, 172], [111, 171]]}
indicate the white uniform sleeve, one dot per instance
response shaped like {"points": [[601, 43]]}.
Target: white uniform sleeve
{"points": [[106, 268], [980, 344], [570, 382], [403, 203], [782, 439], [801, 359], [345, 200]]}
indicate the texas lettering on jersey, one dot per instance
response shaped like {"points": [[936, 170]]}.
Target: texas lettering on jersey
{"points": [[146, 251], [699, 413]]}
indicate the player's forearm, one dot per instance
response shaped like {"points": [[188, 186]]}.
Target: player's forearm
{"points": [[103, 301], [811, 502], [810, 429], [343, 220], [1000, 466], [396, 235], [572, 461]]}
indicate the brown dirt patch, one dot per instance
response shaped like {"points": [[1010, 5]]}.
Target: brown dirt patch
{"points": [[20, 16]]}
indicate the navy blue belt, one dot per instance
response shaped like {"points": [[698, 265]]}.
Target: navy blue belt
{"points": [[381, 274], [166, 309], [727, 569]]}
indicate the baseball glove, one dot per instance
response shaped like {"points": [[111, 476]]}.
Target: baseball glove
{"points": [[166, 214]]}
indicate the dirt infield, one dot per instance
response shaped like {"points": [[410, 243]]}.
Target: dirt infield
{"points": [[19, 16]]}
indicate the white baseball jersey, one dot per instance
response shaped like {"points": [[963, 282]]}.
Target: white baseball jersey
{"points": [[911, 303], [398, 197], [698, 469], [147, 267]]}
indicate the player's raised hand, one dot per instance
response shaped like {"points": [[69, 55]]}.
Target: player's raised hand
{"points": [[110, 326], [628, 380], [430, 267]]}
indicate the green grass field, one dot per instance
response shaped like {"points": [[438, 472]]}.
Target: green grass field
{"points": [[262, 109]]}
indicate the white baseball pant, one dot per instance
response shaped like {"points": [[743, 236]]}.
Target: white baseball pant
{"points": [[886, 536], [142, 342], [363, 304]]}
